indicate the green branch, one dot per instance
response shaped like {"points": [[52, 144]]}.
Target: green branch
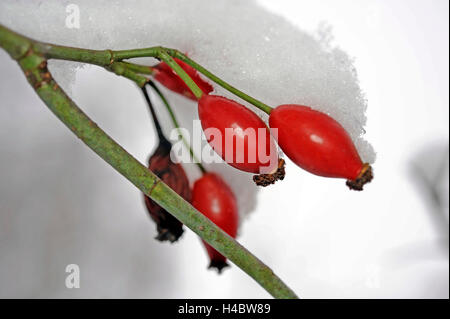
{"points": [[32, 57], [106, 57]]}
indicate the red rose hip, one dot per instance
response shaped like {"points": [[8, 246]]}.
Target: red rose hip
{"points": [[319, 144], [170, 79], [240, 137], [213, 198]]}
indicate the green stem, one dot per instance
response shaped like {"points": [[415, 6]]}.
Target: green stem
{"points": [[106, 57], [177, 54], [181, 73], [34, 65], [123, 69], [138, 68], [156, 52], [177, 126]]}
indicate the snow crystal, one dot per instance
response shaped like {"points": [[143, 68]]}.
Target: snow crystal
{"points": [[251, 48]]}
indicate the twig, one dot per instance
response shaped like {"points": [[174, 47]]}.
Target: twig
{"points": [[32, 58], [107, 57]]}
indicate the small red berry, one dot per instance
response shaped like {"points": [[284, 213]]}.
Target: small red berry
{"points": [[213, 198], [170, 79], [319, 144], [239, 136]]}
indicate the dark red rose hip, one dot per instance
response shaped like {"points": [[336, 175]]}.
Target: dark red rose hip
{"points": [[169, 228]]}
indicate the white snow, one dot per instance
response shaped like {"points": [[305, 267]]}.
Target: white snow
{"points": [[251, 48]]}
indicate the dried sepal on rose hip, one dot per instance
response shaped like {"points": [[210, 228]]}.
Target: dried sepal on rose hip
{"points": [[241, 138], [213, 198], [170, 79], [319, 144], [169, 228]]}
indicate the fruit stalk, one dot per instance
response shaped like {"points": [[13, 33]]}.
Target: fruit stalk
{"points": [[177, 125]]}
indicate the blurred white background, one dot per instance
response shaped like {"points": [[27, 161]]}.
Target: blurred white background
{"points": [[60, 204]]}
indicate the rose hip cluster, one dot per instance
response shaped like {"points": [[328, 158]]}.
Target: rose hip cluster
{"points": [[311, 139], [210, 195]]}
